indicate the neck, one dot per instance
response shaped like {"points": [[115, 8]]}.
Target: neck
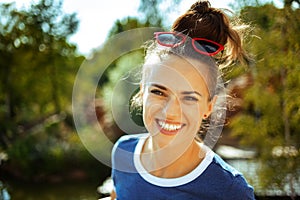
{"points": [[172, 160]]}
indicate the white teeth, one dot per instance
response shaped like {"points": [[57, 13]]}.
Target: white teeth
{"points": [[169, 127]]}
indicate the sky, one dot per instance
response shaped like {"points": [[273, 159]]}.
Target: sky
{"points": [[96, 17]]}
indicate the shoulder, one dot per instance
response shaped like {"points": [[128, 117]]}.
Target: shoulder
{"points": [[221, 168], [123, 152], [225, 167], [126, 144], [233, 180], [127, 141], [130, 137]]}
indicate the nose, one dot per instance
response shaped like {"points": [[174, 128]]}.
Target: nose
{"points": [[172, 108]]}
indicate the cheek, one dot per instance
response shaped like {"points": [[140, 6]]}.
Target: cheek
{"points": [[195, 110], [194, 114], [150, 108], [194, 117]]}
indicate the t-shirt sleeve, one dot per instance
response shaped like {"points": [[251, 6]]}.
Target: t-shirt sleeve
{"points": [[241, 190], [122, 155], [113, 162]]}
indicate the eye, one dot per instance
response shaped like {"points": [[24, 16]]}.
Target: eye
{"points": [[190, 98], [157, 92]]}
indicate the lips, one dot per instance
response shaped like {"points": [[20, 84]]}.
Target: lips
{"points": [[169, 128]]}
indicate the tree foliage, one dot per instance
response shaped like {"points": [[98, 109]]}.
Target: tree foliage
{"points": [[37, 65], [270, 117], [37, 70]]}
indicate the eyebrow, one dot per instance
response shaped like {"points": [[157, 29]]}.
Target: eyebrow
{"points": [[159, 86], [184, 93]]}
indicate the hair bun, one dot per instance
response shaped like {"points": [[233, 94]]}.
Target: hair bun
{"points": [[201, 7]]}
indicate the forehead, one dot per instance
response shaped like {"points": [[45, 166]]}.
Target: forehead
{"points": [[177, 74]]}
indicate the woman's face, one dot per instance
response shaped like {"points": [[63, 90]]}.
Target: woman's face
{"points": [[175, 99]]}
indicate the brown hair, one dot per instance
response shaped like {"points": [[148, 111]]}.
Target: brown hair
{"points": [[203, 21]]}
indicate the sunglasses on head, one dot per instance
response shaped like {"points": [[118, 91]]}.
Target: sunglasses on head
{"points": [[201, 45]]}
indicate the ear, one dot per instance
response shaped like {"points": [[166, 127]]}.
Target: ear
{"points": [[210, 107]]}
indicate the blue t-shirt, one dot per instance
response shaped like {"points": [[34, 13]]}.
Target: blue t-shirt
{"points": [[212, 179]]}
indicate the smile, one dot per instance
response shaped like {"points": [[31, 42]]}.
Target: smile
{"points": [[169, 127]]}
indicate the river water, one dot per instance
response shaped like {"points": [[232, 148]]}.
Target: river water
{"points": [[61, 191], [250, 170], [88, 191]]}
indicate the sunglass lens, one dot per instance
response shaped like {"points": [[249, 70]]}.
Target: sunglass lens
{"points": [[169, 39], [206, 46]]}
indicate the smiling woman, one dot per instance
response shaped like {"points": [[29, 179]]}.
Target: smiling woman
{"points": [[179, 90], [174, 95]]}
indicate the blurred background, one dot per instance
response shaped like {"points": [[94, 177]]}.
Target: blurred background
{"points": [[42, 46]]}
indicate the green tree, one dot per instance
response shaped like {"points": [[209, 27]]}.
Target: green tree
{"points": [[37, 65], [270, 115], [37, 71]]}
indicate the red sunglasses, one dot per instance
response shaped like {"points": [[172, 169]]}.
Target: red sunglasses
{"points": [[201, 45]]}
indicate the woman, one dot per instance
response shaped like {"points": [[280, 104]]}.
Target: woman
{"points": [[178, 92]]}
